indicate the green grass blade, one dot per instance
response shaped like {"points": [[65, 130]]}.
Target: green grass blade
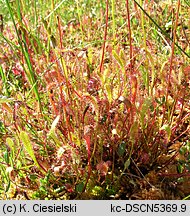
{"points": [[24, 50], [28, 146]]}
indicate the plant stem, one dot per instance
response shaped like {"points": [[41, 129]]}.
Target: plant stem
{"points": [[113, 20], [171, 59], [105, 37], [173, 48], [130, 39], [80, 21]]}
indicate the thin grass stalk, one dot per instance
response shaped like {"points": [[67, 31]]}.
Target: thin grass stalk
{"points": [[88, 142], [59, 80], [61, 62], [18, 10], [60, 33], [171, 59], [188, 3], [54, 18], [113, 22], [130, 38], [105, 36], [4, 79], [143, 27], [52, 5], [3, 75], [133, 79], [35, 14], [25, 53], [80, 21], [173, 49], [145, 47]]}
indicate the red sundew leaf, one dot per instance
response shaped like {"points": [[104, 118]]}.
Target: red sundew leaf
{"points": [[134, 88], [87, 136], [187, 71], [87, 139], [69, 188], [3, 59], [103, 167], [16, 71], [145, 158], [93, 85]]}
